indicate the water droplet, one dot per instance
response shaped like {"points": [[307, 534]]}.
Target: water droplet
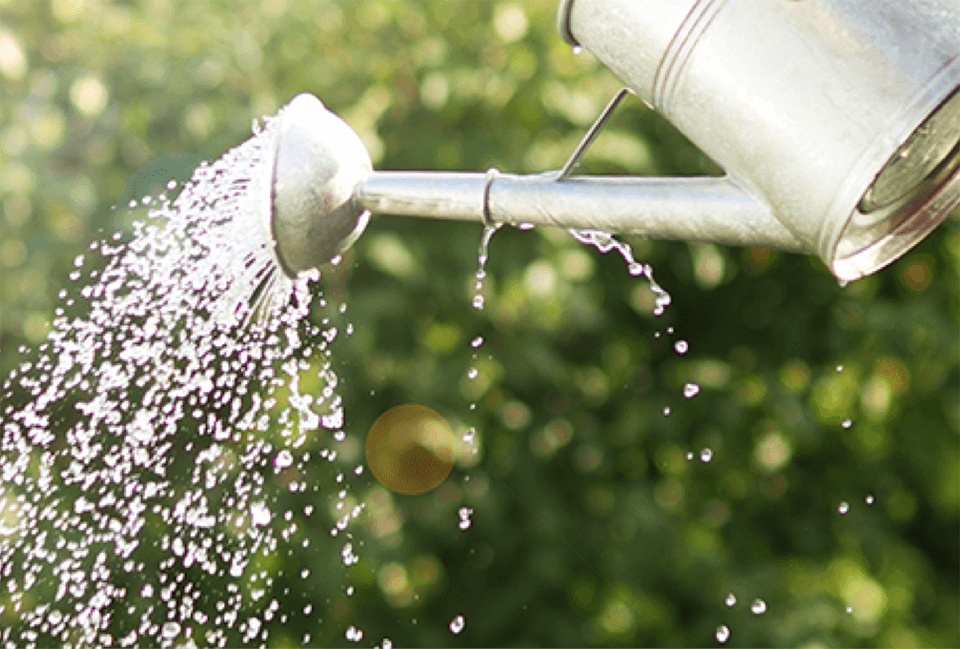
{"points": [[464, 513], [681, 347], [260, 515], [690, 455], [868, 500], [353, 634], [472, 373], [666, 411], [576, 49], [170, 630], [730, 600], [171, 184], [839, 368], [846, 423], [476, 342], [283, 460], [706, 455], [478, 302], [849, 609], [691, 390], [723, 634], [526, 225], [78, 261], [759, 607], [457, 624], [843, 507]]}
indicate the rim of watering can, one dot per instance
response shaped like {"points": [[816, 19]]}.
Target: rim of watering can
{"points": [[908, 220], [563, 23]]}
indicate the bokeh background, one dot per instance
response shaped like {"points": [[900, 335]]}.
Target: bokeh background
{"points": [[589, 524]]}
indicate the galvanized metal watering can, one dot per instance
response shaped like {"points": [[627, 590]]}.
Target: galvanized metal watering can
{"points": [[837, 122]]}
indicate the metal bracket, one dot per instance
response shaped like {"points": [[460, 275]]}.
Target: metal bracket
{"points": [[591, 134]]}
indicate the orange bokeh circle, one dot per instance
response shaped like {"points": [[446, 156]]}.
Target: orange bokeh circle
{"points": [[410, 449]]}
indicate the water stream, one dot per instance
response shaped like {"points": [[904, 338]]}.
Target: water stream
{"points": [[154, 450]]}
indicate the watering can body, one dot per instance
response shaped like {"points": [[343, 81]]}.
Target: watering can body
{"points": [[804, 103]]}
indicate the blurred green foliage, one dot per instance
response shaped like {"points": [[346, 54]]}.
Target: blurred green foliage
{"points": [[590, 526]]}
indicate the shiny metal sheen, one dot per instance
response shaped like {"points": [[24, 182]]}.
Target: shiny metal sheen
{"points": [[687, 209], [803, 102], [837, 122], [318, 162]]}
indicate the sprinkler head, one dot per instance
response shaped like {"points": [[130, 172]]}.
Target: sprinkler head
{"points": [[318, 163]]}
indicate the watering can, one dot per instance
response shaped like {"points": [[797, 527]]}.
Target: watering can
{"points": [[837, 123]]}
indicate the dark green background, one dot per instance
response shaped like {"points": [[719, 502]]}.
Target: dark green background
{"points": [[590, 527]]}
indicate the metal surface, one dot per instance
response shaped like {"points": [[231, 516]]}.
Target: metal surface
{"points": [[324, 191], [803, 103], [318, 162], [688, 209], [832, 118]]}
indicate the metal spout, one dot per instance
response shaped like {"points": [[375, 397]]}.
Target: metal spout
{"points": [[687, 209], [324, 191]]}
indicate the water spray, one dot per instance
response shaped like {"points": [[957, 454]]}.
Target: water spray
{"points": [[837, 122]]}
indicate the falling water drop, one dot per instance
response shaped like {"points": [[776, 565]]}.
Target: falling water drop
{"points": [[759, 607], [722, 634], [843, 507], [283, 460], [457, 624], [868, 500], [464, 513], [260, 515], [353, 634], [576, 49], [476, 342], [472, 373], [681, 347], [730, 600], [691, 390], [706, 455], [666, 411], [846, 423]]}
